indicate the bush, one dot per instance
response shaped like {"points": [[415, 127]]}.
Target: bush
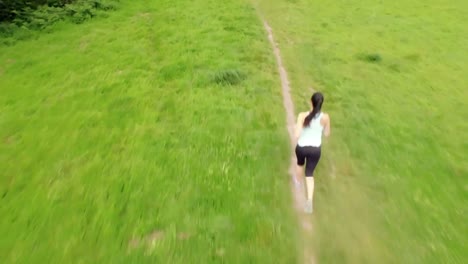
{"points": [[41, 17], [40, 14], [80, 12], [11, 9]]}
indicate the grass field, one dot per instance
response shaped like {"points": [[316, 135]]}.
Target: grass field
{"points": [[395, 84], [120, 143]]}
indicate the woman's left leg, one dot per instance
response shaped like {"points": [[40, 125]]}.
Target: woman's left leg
{"points": [[301, 159], [299, 173]]}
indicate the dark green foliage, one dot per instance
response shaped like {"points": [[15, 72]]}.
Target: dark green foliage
{"points": [[11, 9], [40, 18], [25, 16]]}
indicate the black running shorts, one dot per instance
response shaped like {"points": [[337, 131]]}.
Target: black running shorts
{"points": [[309, 156]]}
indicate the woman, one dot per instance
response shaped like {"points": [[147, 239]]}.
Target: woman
{"points": [[309, 129]]}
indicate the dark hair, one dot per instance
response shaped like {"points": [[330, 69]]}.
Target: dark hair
{"points": [[317, 101]]}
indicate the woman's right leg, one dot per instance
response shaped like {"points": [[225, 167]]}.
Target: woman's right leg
{"points": [[310, 194], [310, 187], [313, 156]]}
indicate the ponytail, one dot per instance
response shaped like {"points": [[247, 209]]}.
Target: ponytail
{"points": [[317, 101]]}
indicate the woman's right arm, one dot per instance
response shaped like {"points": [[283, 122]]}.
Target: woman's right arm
{"points": [[299, 122]]}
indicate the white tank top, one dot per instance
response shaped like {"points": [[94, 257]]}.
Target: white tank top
{"points": [[312, 134]]}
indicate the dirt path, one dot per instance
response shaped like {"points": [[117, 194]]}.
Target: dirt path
{"points": [[298, 193]]}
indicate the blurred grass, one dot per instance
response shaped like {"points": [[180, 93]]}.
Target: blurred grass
{"points": [[117, 130], [392, 185]]}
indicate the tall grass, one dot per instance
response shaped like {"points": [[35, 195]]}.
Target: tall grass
{"points": [[392, 186], [121, 143]]}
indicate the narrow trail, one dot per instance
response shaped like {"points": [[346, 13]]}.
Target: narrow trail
{"points": [[298, 193]]}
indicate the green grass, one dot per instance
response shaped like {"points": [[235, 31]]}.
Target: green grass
{"points": [[161, 122], [394, 78], [164, 122]]}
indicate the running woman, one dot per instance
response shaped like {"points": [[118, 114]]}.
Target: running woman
{"points": [[310, 127]]}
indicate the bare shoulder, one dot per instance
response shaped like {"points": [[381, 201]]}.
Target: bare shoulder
{"points": [[325, 118]]}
